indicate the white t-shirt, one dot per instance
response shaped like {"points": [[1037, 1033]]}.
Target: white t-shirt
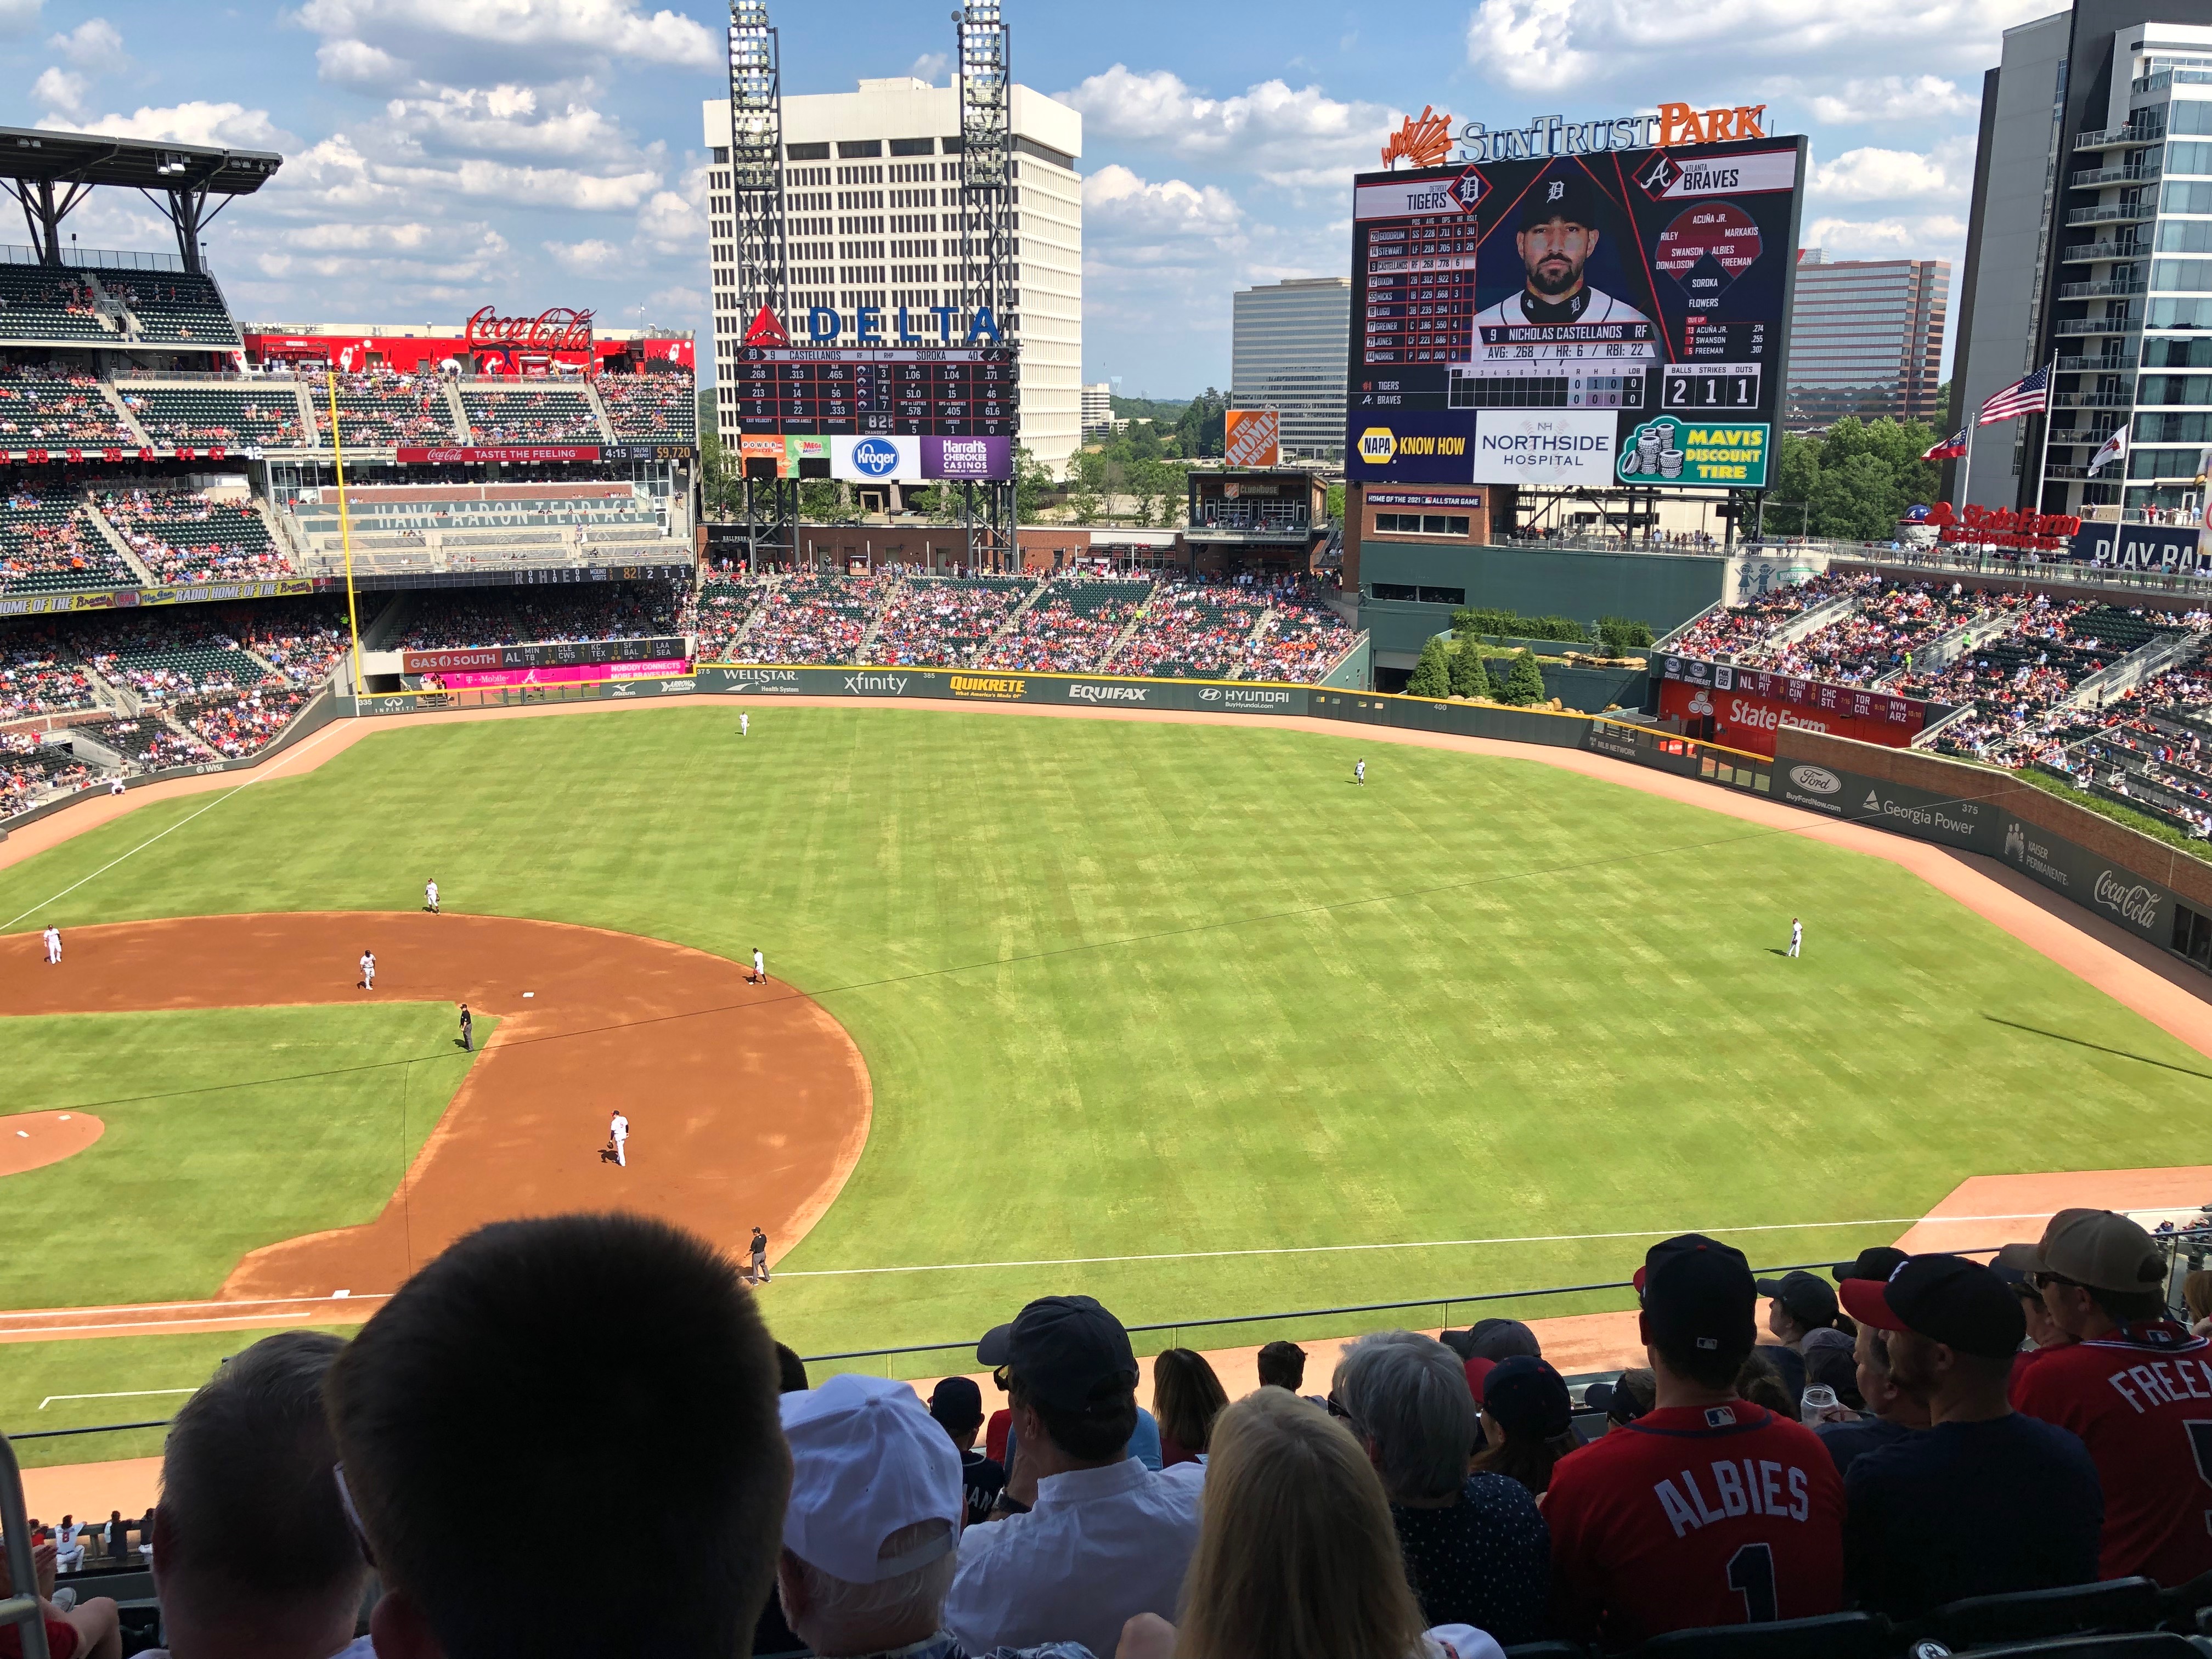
{"points": [[620, 1128]]}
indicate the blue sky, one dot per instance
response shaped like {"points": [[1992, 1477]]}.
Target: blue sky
{"points": [[443, 154]]}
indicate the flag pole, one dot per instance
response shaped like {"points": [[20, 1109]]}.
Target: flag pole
{"points": [[2050, 408]]}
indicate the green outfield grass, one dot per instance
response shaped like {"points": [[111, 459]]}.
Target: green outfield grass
{"points": [[1158, 990], [226, 1130]]}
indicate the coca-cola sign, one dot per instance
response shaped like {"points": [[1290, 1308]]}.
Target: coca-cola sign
{"points": [[557, 328], [2132, 900]]}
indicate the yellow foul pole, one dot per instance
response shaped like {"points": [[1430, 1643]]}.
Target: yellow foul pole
{"points": [[345, 536]]}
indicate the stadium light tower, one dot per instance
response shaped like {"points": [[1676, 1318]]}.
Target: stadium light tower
{"points": [[987, 195], [756, 183]]}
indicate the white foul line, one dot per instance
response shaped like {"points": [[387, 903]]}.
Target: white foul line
{"points": [[268, 772], [1426, 1244], [126, 1393]]}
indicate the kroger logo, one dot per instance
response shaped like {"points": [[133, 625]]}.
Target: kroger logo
{"points": [[1817, 779], [1107, 693], [875, 458], [2137, 903]]}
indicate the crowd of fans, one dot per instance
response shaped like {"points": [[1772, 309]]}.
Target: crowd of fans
{"points": [[272, 418], [243, 723], [383, 409], [47, 539], [39, 408], [1074, 626], [540, 417], [185, 536], [1301, 640], [652, 406], [31, 769], [1878, 638], [945, 619], [444, 621], [1725, 634], [40, 675], [1939, 1430], [147, 742], [1193, 631], [814, 619]]}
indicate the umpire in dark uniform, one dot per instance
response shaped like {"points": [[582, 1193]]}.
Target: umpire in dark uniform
{"points": [[468, 1029]]}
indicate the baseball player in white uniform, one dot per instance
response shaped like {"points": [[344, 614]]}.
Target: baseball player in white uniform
{"points": [[1557, 235], [1796, 935], [430, 896], [53, 939], [368, 970], [1359, 772], [744, 724], [760, 966], [618, 1133]]}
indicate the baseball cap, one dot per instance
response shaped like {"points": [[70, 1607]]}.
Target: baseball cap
{"points": [[1945, 1299], [1624, 1400], [866, 1462], [1876, 1261], [1502, 1339], [957, 1400], [1565, 195], [1699, 1291], [1527, 1397], [1062, 1348], [2012, 1263], [2102, 1250], [1477, 1370], [1806, 1297]]}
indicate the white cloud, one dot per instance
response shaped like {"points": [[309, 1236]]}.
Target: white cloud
{"points": [[1284, 135], [94, 44], [1550, 46], [454, 35], [931, 66], [358, 63], [63, 89], [530, 186], [18, 16], [1939, 236], [506, 120], [1892, 98], [591, 258], [195, 123], [1120, 207], [669, 224], [1944, 173]]}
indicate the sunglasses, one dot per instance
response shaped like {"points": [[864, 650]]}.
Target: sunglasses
{"points": [[2043, 1281], [352, 1514]]}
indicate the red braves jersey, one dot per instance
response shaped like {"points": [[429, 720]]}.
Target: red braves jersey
{"points": [[1723, 1514], [2143, 1404]]}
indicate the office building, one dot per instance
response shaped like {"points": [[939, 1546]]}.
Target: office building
{"points": [[1291, 342], [2093, 176], [1866, 339], [872, 204], [1097, 407]]}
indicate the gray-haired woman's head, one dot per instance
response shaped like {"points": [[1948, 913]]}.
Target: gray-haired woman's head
{"points": [[1406, 1395]]}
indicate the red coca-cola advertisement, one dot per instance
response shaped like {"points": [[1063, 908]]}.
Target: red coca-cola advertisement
{"points": [[1742, 719]]}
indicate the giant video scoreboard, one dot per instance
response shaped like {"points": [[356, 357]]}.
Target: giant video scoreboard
{"points": [[1594, 319], [886, 391]]}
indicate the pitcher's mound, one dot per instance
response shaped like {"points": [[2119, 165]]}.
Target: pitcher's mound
{"points": [[31, 1140]]}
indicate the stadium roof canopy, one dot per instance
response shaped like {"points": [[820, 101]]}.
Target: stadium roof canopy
{"points": [[50, 173]]}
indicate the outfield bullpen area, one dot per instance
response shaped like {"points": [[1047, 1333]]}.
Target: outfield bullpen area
{"points": [[1166, 1010]]}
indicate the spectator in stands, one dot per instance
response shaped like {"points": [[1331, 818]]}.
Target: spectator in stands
{"points": [[1187, 1396], [1084, 1536], [790, 1371], [1890, 1414], [1526, 1413], [2016, 1264], [1295, 1558], [1984, 1502], [2131, 1383], [85, 1630], [469, 1395], [1801, 1315], [1475, 1545], [2196, 1297], [68, 1553], [1657, 1527], [116, 1535], [1623, 1401], [252, 1552], [1760, 1381], [957, 1406], [871, 1532], [1283, 1365]]}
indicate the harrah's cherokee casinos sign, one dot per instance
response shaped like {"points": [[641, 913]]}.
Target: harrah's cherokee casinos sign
{"points": [[556, 328]]}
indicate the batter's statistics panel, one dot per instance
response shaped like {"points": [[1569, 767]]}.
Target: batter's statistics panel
{"points": [[1602, 319], [909, 391]]}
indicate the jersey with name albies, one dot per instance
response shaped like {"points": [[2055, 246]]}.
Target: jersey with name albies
{"points": [[1691, 1515], [2141, 1398]]}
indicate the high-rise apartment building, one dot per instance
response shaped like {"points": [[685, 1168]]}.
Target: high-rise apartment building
{"points": [[1292, 340], [1097, 406], [2092, 185], [1866, 339], [872, 217]]}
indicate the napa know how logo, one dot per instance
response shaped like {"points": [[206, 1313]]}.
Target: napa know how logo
{"points": [[1378, 445]]}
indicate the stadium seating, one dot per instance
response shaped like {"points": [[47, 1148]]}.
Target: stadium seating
{"points": [[166, 658], [461, 526], [535, 414], [32, 771], [946, 620], [1302, 638], [148, 742], [242, 723], [1193, 630], [227, 416], [1892, 621], [38, 409], [39, 674], [45, 302], [184, 536], [381, 411], [724, 607], [1723, 634], [171, 307], [449, 620], [1072, 626], [652, 407], [48, 544], [815, 619]]}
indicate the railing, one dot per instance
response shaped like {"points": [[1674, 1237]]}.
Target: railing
{"points": [[2093, 400], [2112, 213], [2125, 174], [2113, 363], [2082, 251], [2071, 326], [2104, 291], [98, 258], [2145, 132]]}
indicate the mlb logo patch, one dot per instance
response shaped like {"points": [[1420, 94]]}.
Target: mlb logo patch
{"points": [[1719, 1417]]}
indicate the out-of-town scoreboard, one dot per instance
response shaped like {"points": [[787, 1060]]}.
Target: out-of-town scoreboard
{"points": [[890, 390]]}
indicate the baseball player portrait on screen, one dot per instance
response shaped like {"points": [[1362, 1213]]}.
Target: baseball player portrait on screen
{"points": [[1557, 310]]}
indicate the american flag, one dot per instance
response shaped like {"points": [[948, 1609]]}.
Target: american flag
{"points": [[1949, 450], [2029, 395]]}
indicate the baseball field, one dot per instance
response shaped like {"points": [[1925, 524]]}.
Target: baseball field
{"points": [[1172, 1013]]}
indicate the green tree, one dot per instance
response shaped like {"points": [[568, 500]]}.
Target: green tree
{"points": [[1621, 635], [1430, 677], [1524, 683], [1333, 506], [1199, 428], [1033, 481], [1857, 500], [720, 480], [707, 423], [1469, 677]]}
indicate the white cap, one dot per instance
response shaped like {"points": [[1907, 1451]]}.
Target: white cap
{"points": [[866, 1460]]}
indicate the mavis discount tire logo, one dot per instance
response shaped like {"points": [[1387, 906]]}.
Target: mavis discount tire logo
{"points": [[1816, 780], [2135, 901], [1107, 693], [1004, 688]]}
